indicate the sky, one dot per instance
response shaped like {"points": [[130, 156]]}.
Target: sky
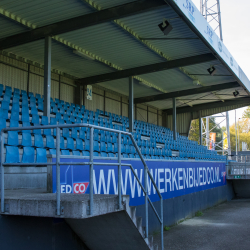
{"points": [[236, 36]]}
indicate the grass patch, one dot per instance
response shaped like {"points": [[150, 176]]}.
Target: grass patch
{"points": [[166, 228], [198, 214]]}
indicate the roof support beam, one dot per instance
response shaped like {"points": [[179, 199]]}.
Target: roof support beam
{"points": [[187, 92], [210, 105], [149, 68], [81, 22]]}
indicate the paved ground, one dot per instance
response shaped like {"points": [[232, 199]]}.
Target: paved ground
{"points": [[226, 226]]}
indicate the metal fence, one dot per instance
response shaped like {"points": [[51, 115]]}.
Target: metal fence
{"points": [[91, 164], [239, 167]]}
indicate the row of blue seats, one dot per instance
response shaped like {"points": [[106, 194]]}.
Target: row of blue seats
{"points": [[28, 156]]}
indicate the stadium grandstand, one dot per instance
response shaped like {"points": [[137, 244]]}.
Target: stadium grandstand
{"points": [[96, 103]]}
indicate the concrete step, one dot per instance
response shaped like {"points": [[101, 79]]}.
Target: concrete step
{"points": [[108, 227]]}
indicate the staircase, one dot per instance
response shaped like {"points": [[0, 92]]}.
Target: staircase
{"points": [[117, 230], [108, 227]]}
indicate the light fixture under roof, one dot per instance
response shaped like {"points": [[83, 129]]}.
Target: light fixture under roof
{"points": [[236, 93], [165, 27], [211, 70], [79, 53]]}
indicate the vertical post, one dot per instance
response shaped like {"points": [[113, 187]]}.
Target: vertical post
{"points": [[236, 148], [174, 118], [119, 172], [91, 170], [200, 127], [78, 94], [228, 134], [2, 172], [239, 134], [219, 19], [131, 104], [205, 5], [207, 132], [58, 184], [28, 79], [146, 198], [47, 76], [59, 94], [162, 238]]}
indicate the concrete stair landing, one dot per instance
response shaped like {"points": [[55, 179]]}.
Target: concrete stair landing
{"points": [[108, 228]]}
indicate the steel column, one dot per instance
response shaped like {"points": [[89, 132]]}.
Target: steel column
{"points": [[91, 171], [2, 172], [119, 172], [174, 118], [58, 184], [200, 128], [47, 76], [236, 148], [207, 132], [131, 104], [228, 134]]}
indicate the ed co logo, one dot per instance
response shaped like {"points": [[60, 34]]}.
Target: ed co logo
{"points": [[80, 188]]}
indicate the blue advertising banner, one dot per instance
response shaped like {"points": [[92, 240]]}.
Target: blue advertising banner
{"points": [[173, 178]]}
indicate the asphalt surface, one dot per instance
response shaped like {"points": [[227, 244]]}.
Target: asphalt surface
{"points": [[226, 226]]}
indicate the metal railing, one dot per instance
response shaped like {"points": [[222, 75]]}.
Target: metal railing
{"points": [[239, 167], [91, 164]]}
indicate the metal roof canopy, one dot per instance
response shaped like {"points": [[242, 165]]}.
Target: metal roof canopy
{"points": [[121, 33]]}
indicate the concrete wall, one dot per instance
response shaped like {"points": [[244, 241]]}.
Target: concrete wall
{"points": [[23, 233], [183, 207], [25, 177]]}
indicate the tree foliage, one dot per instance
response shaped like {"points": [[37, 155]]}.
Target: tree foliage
{"points": [[194, 131], [243, 127]]}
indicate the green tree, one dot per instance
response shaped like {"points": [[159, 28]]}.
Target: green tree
{"points": [[246, 113]]}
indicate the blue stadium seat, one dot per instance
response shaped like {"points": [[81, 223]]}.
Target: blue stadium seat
{"points": [[25, 117], [12, 138], [5, 105], [52, 151], [74, 133], [26, 124], [85, 153], [86, 146], [35, 119], [28, 155], [65, 152], [2, 123], [50, 141], [26, 140], [96, 146], [110, 147], [79, 144], [103, 154], [37, 131], [65, 132], [12, 154], [76, 153], [44, 120], [111, 155], [70, 143], [103, 147], [40, 106], [34, 111], [96, 154], [38, 141], [41, 155], [62, 144], [4, 113], [15, 107]]}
